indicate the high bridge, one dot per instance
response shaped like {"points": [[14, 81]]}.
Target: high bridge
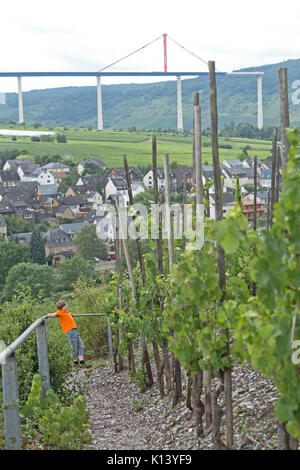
{"points": [[102, 73]]}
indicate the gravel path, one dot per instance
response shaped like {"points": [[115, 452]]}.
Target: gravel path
{"points": [[124, 418]]}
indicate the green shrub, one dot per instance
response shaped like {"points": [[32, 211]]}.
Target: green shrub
{"points": [[93, 330], [39, 278], [71, 269], [55, 425], [15, 317]]}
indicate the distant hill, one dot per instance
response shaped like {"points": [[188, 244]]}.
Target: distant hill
{"points": [[148, 106]]}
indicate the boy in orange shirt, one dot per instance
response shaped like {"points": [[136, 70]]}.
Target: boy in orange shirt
{"points": [[69, 328]]}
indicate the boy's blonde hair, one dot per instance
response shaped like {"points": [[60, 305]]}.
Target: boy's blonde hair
{"points": [[60, 304]]}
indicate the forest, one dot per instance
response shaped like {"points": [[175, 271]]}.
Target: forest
{"points": [[153, 105]]}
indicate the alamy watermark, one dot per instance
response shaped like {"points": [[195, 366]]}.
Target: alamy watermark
{"points": [[138, 222], [2, 347], [296, 353], [296, 94]]}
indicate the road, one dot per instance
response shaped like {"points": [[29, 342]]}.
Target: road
{"points": [[105, 265]]}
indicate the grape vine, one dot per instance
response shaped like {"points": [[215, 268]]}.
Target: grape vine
{"points": [[209, 330]]}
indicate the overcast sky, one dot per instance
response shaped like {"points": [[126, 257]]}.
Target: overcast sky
{"points": [[87, 35]]}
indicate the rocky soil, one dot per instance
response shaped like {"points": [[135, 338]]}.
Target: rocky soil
{"points": [[124, 418]]}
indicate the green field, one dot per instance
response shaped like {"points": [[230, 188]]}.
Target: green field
{"points": [[110, 146]]}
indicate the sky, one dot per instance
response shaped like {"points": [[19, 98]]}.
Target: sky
{"points": [[88, 35]]}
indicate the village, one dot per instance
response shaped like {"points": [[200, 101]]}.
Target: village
{"points": [[32, 193]]}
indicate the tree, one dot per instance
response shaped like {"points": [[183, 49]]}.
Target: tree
{"points": [[89, 245], [11, 253], [37, 247], [70, 180], [40, 279], [146, 198], [70, 270], [17, 225], [92, 169], [45, 159], [61, 138]]}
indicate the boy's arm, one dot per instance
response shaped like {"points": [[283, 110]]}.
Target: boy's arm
{"points": [[51, 315]]}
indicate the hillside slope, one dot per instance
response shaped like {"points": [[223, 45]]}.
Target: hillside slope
{"points": [[153, 105]]}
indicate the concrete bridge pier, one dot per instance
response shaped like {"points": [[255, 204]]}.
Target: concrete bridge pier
{"points": [[260, 116], [179, 105], [20, 98], [99, 105]]}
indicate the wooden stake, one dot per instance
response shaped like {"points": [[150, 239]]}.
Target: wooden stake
{"points": [[255, 211], [221, 255], [188, 402], [164, 364], [216, 166], [208, 204], [184, 205], [195, 103], [268, 209], [284, 115], [273, 181], [198, 157], [118, 359], [255, 195], [207, 400], [156, 202], [176, 365], [131, 202], [169, 223], [146, 359], [197, 381], [277, 178]]}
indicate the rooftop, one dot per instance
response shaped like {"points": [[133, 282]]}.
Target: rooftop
{"points": [[48, 189], [56, 236], [71, 229], [54, 165], [9, 176]]}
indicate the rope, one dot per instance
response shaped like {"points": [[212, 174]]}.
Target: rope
{"points": [[149, 43], [117, 61], [192, 53]]}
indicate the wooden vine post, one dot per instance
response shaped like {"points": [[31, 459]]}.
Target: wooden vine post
{"points": [[255, 195], [118, 359], [284, 115], [146, 359], [177, 392], [292, 443], [273, 176], [198, 156], [277, 177], [165, 365], [221, 260], [156, 202], [197, 379], [184, 205], [255, 211], [268, 208]]}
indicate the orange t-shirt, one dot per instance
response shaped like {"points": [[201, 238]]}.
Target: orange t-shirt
{"points": [[66, 320]]}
